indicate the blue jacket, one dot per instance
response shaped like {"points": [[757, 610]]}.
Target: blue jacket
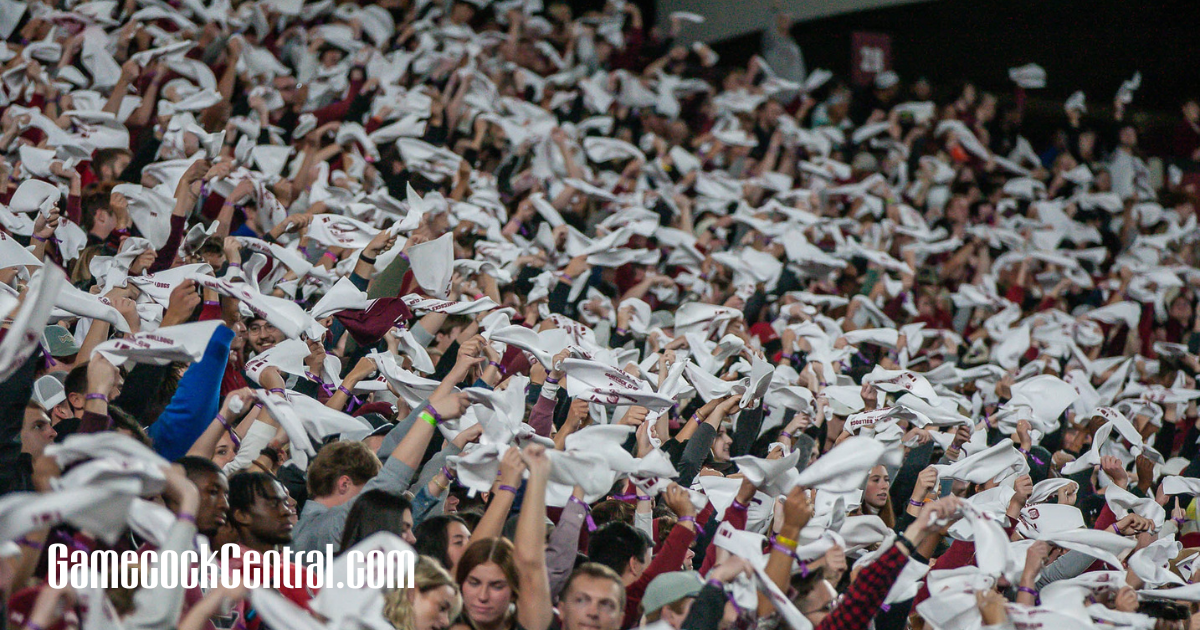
{"points": [[196, 400]]}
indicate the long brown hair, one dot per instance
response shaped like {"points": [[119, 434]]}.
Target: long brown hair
{"points": [[495, 550]]}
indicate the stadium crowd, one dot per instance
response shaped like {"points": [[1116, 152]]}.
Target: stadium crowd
{"points": [[609, 332]]}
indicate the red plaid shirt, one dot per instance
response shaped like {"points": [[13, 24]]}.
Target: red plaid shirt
{"points": [[866, 594]]}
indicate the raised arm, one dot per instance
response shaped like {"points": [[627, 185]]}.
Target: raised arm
{"points": [[533, 605]]}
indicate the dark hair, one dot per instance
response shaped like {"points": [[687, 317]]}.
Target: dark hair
{"points": [[432, 538], [77, 380], [612, 511], [616, 543], [194, 466], [373, 511], [122, 419], [245, 487], [803, 583], [212, 246], [108, 157]]}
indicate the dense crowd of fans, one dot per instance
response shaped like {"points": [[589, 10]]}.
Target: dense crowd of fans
{"points": [[609, 332]]}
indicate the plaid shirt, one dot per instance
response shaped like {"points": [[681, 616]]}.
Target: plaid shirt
{"points": [[866, 594]]}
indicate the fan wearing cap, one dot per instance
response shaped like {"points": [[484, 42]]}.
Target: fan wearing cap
{"points": [[62, 346], [669, 597], [51, 395]]}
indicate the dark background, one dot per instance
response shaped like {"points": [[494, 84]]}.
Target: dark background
{"points": [[1089, 45]]}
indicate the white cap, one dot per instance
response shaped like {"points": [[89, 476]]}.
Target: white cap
{"points": [[48, 392]]}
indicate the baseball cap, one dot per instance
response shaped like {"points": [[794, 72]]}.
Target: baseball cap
{"points": [[669, 588], [48, 391], [379, 426], [60, 341]]}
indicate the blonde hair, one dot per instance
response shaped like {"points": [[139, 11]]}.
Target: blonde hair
{"points": [[428, 575]]}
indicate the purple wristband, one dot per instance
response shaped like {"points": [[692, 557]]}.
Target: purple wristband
{"points": [[1037, 599], [587, 512], [449, 473], [1116, 529], [433, 412], [496, 365], [96, 396], [552, 381], [737, 505], [785, 434], [686, 519], [237, 443], [276, 390], [506, 487], [191, 518]]}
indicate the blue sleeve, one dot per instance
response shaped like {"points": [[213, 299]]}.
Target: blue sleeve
{"points": [[422, 505], [195, 402]]}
